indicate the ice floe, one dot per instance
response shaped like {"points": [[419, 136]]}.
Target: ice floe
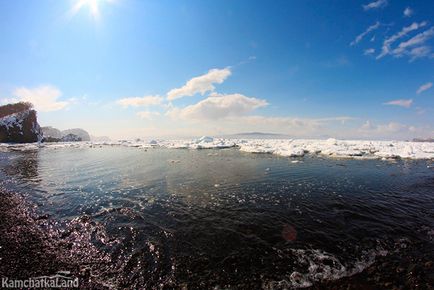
{"points": [[333, 148]]}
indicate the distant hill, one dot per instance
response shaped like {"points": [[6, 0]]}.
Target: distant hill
{"points": [[56, 133], [78, 132], [51, 132], [423, 140]]}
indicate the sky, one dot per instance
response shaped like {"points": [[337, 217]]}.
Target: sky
{"points": [[171, 69]]}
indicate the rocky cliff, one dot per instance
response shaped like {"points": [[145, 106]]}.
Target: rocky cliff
{"points": [[21, 127]]}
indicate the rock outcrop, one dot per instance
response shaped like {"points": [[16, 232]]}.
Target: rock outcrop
{"points": [[20, 127], [70, 138], [79, 132], [66, 138], [52, 134]]}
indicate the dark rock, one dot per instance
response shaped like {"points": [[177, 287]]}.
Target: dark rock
{"points": [[20, 127], [51, 139]]}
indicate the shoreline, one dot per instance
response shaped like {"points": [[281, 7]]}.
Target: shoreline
{"points": [[32, 246]]}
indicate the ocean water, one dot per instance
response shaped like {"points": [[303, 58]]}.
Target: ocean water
{"points": [[224, 218]]}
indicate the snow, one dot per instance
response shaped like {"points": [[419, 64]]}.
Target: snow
{"points": [[341, 148], [14, 120], [331, 148], [205, 139]]}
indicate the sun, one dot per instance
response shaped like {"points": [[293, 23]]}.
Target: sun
{"points": [[91, 5]]}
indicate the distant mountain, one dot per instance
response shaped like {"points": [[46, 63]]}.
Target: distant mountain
{"points": [[51, 132], [70, 138], [423, 140], [57, 134], [256, 135]]}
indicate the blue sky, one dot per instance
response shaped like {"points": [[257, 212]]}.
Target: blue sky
{"points": [[293, 67]]}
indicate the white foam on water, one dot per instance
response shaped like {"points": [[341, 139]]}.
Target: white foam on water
{"points": [[320, 266]]}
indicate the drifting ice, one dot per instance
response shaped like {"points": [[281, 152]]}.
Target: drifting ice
{"points": [[283, 147]]}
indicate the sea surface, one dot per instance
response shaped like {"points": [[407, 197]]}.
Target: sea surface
{"points": [[226, 219]]}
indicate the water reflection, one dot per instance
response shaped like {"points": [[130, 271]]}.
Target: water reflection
{"points": [[23, 166]]}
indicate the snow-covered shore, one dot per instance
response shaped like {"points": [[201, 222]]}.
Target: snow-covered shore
{"points": [[284, 147]]}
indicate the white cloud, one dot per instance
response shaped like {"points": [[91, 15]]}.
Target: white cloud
{"points": [[424, 87], [420, 52], [392, 130], [369, 51], [401, 103], [201, 84], [140, 101], [44, 98], [391, 127], [218, 106], [386, 49], [148, 114], [375, 5], [288, 124], [408, 12], [363, 34], [418, 39]]}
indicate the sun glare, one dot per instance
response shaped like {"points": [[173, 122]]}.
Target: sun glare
{"points": [[91, 5]]}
